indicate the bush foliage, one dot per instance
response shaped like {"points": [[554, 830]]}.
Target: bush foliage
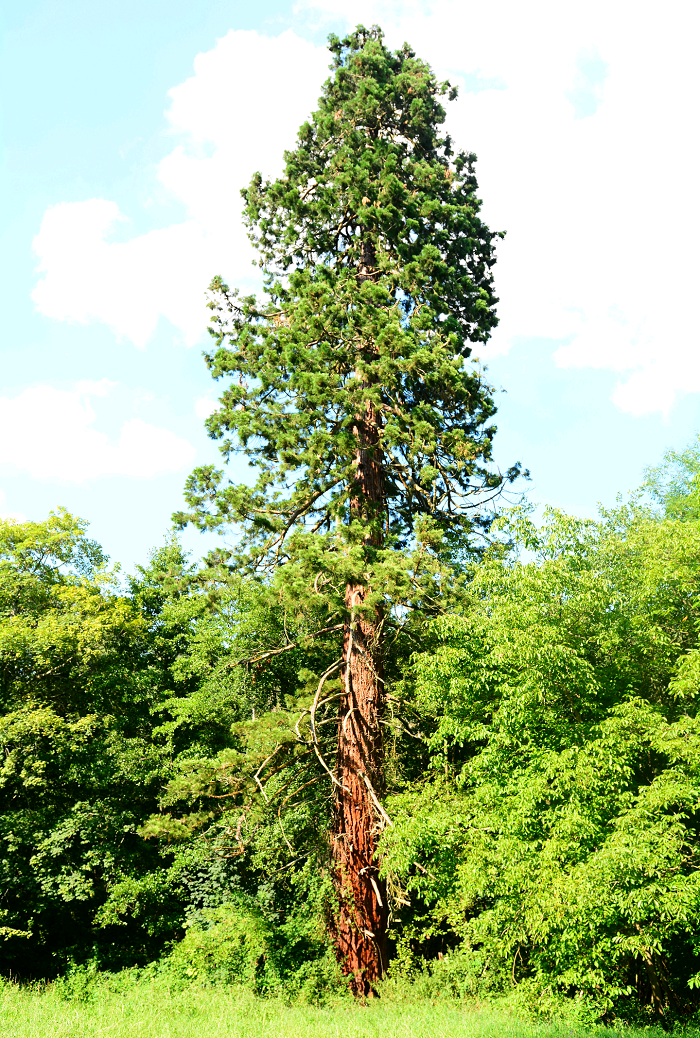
{"points": [[162, 803]]}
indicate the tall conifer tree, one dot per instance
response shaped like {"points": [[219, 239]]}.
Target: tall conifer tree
{"points": [[352, 396]]}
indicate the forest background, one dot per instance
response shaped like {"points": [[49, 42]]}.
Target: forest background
{"points": [[542, 770], [539, 740]]}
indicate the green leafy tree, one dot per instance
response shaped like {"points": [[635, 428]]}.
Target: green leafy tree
{"points": [[91, 731], [242, 824], [552, 848], [350, 394], [80, 770], [674, 485]]}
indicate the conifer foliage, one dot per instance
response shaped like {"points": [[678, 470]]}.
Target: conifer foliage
{"points": [[350, 392]]}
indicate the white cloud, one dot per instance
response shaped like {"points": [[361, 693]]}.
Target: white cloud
{"points": [[49, 433], [127, 285], [205, 406], [586, 158], [236, 114]]}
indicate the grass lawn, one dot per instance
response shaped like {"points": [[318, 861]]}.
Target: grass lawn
{"points": [[153, 1010]]}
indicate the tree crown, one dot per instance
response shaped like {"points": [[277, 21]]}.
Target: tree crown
{"points": [[378, 276]]}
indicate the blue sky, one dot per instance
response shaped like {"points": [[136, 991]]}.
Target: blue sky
{"points": [[129, 129]]}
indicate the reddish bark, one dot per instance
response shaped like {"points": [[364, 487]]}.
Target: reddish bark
{"points": [[361, 919], [360, 923]]}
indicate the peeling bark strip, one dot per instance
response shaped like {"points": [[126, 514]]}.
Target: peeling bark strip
{"points": [[361, 921]]}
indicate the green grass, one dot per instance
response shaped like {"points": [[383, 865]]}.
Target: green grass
{"points": [[154, 1010]]}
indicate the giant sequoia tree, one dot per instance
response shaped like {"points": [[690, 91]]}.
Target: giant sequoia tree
{"points": [[352, 396]]}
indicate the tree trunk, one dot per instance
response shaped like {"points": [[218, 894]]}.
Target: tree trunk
{"points": [[359, 929], [360, 924]]}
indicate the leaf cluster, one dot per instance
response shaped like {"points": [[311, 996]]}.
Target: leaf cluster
{"points": [[557, 839]]}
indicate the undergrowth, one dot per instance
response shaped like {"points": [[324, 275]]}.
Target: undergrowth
{"points": [[143, 1004]]}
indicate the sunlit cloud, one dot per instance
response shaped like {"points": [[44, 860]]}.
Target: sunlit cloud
{"points": [[50, 434], [204, 406], [235, 115], [580, 115]]}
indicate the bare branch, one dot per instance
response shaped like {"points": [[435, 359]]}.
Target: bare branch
{"points": [[267, 760], [375, 801], [286, 648], [376, 891], [326, 674]]}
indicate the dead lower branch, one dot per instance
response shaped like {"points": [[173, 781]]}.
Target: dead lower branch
{"points": [[285, 648], [317, 749], [375, 800]]}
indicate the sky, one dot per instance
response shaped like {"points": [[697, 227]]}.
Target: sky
{"points": [[128, 131]]}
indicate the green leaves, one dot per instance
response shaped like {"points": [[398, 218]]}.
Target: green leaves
{"points": [[80, 768], [557, 837], [378, 277]]}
